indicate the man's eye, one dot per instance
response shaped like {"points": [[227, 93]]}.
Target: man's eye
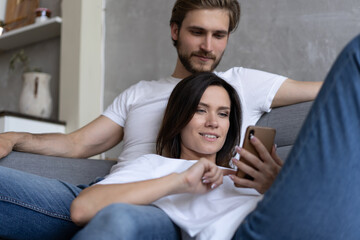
{"points": [[197, 33], [219, 36]]}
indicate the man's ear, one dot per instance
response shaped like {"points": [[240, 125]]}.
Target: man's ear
{"points": [[174, 31]]}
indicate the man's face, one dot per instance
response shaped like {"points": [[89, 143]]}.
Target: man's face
{"points": [[202, 39]]}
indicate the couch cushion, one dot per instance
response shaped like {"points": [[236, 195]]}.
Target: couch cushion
{"points": [[76, 171], [287, 121]]}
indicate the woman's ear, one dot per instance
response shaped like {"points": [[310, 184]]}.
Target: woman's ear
{"points": [[174, 31]]}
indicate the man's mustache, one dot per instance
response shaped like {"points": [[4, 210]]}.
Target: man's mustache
{"points": [[204, 54]]}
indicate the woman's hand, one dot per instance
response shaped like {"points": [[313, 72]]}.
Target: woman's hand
{"points": [[263, 170], [201, 177]]}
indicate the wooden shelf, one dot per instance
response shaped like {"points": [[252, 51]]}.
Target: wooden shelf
{"points": [[29, 34]]}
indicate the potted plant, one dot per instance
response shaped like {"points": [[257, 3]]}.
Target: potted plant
{"points": [[35, 97]]}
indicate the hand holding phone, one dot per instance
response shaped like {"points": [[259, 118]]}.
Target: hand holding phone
{"points": [[265, 135]]}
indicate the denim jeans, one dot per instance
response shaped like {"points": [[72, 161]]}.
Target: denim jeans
{"points": [[317, 193], [34, 207], [129, 222]]}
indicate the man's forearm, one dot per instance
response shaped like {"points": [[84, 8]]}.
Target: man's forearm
{"points": [[53, 144]]}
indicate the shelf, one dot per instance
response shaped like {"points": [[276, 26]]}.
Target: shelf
{"points": [[30, 34], [10, 121]]}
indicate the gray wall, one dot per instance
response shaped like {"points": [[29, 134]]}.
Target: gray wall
{"points": [[45, 55], [298, 39]]}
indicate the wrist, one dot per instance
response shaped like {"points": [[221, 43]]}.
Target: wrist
{"points": [[177, 182], [14, 139]]}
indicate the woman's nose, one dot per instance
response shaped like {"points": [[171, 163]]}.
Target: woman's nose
{"points": [[211, 121]]}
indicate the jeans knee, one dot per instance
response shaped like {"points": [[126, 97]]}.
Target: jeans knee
{"points": [[119, 217]]}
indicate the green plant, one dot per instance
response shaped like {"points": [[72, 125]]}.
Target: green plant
{"points": [[21, 58]]}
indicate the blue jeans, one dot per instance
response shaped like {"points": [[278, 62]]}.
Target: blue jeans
{"points": [[129, 222], [317, 193], [34, 207]]}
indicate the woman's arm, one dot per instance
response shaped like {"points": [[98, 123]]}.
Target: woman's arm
{"points": [[200, 178]]}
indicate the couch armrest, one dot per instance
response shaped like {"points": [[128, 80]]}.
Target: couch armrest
{"points": [[76, 171]]}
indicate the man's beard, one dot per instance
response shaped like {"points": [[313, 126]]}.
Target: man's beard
{"points": [[186, 60]]}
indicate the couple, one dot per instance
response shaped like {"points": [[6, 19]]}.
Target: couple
{"points": [[38, 208], [315, 196]]}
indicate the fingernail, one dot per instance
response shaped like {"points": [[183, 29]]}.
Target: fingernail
{"points": [[235, 160], [275, 146], [213, 186], [237, 148], [204, 180]]}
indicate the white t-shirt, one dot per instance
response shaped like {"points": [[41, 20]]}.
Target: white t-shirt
{"points": [[214, 215], [140, 108]]}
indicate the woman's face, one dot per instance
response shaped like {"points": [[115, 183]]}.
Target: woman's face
{"points": [[206, 132]]}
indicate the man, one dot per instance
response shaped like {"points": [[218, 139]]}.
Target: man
{"points": [[200, 31]]}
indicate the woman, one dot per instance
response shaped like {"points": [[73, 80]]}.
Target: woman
{"points": [[202, 121]]}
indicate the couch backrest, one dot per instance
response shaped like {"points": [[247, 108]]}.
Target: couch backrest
{"points": [[287, 121]]}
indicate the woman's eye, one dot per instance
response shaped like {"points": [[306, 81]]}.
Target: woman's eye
{"points": [[199, 110], [224, 114]]}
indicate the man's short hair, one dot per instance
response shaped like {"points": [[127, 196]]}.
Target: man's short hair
{"points": [[182, 7]]}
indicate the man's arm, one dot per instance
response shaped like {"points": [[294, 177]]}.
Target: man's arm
{"points": [[292, 92], [94, 138]]}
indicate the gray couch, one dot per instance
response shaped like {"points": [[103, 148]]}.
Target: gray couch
{"points": [[287, 121]]}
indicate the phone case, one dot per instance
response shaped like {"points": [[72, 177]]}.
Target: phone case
{"points": [[265, 134]]}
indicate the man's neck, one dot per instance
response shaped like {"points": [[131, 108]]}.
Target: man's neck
{"points": [[180, 71]]}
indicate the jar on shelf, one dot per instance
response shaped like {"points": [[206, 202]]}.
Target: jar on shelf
{"points": [[42, 14], [35, 98]]}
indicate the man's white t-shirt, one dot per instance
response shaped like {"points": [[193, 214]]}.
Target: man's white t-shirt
{"points": [[211, 216], [140, 108]]}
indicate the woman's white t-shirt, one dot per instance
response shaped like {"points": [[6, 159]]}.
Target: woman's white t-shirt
{"points": [[214, 215]]}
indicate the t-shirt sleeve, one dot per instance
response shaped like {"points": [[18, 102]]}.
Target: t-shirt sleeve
{"points": [[258, 88], [261, 87], [120, 107]]}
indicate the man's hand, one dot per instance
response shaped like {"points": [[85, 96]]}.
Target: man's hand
{"points": [[202, 177], [263, 170], [6, 145]]}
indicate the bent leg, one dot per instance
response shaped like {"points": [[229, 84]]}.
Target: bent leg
{"points": [[317, 193], [34, 207], [129, 222]]}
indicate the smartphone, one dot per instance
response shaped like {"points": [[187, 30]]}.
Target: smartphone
{"points": [[265, 134]]}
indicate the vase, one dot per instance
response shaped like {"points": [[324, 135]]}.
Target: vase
{"points": [[35, 97]]}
